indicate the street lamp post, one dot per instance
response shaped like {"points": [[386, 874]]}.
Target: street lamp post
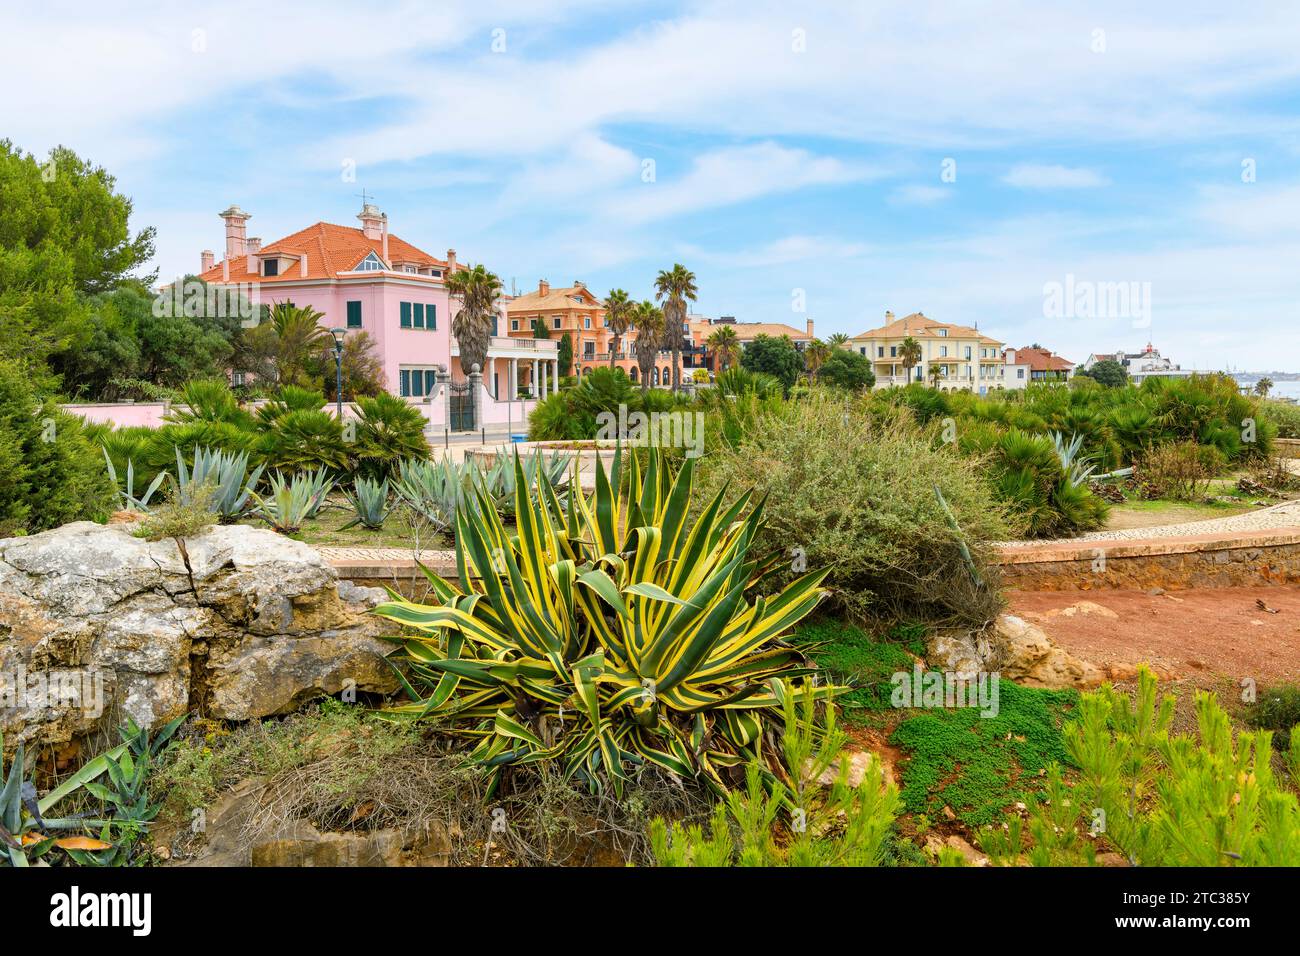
{"points": [[338, 335]]}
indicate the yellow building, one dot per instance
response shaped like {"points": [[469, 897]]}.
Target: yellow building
{"points": [[960, 356]]}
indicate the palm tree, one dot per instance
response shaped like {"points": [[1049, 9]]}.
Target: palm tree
{"points": [[618, 313], [674, 287], [935, 375], [298, 337], [1264, 386], [814, 354], [649, 320], [910, 353], [477, 289], [724, 345], [837, 340]]}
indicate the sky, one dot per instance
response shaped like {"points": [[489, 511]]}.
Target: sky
{"points": [[1085, 176]]}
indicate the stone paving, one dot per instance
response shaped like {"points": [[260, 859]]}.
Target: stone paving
{"points": [[1284, 515]]}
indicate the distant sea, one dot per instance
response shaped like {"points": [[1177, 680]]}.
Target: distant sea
{"points": [[1289, 389]]}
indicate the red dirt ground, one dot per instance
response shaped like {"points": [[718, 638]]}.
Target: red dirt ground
{"points": [[1195, 633]]}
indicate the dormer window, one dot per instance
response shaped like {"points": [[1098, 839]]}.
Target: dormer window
{"points": [[370, 263], [271, 267]]}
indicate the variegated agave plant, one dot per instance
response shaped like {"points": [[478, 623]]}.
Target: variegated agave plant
{"points": [[610, 633]]}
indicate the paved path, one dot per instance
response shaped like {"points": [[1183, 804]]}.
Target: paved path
{"points": [[1284, 515]]}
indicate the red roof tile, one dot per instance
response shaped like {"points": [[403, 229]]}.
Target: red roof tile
{"points": [[330, 249]]}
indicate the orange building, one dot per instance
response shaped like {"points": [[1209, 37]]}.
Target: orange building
{"points": [[578, 311]]}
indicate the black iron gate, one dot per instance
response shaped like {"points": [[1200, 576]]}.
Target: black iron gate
{"points": [[460, 407]]}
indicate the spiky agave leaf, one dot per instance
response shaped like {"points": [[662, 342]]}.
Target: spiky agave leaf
{"points": [[608, 632]]}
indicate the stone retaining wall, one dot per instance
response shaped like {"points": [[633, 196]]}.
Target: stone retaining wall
{"points": [[1207, 560], [1287, 447]]}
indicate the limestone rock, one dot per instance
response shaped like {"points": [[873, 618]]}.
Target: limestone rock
{"points": [[1017, 650], [96, 624], [1031, 658], [232, 840]]}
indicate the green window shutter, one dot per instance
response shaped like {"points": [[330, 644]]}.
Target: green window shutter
{"points": [[417, 384], [419, 315], [431, 316], [430, 380], [354, 315], [404, 378], [406, 315]]}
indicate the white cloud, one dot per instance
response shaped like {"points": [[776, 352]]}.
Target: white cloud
{"points": [[728, 176], [916, 195], [1034, 176]]}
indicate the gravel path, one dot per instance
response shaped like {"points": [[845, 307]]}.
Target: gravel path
{"points": [[1284, 515]]}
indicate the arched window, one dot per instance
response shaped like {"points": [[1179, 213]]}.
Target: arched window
{"points": [[654, 375], [632, 372]]}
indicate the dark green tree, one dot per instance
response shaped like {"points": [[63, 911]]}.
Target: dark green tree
{"points": [[565, 354], [53, 472], [773, 356], [1108, 372], [64, 236], [847, 370]]}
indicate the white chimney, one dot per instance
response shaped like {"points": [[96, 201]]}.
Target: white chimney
{"points": [[372, 221], [236, 231], [384, 232], [302, 266], [451, 261], [206, 258]]}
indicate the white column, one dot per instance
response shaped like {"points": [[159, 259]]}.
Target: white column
{"points": [[532, 381], [542, 383], [555, 369], [514, 378]]}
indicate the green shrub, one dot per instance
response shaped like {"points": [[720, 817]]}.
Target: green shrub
{"points": [[847, 370], [180, 516], [1160, 798], [1181, 471], [1284, 416], [1031, 477], [1277, 709], [800, 822], [572, 414], [389, 430], [301, 440], [854, 492], [51, 469]]}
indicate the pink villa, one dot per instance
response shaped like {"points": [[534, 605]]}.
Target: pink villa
{"points": [[369, 279]]}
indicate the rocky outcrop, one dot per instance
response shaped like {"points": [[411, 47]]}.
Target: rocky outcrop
{"points": [[232, 837], [1017, 650], [97, 625]]}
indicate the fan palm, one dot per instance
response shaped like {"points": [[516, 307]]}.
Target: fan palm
{"points": [[477, 289], [618, 313], [674, 287], [910, 353], [724, 344], [814, 355], [298, 336], [837, 340], [649, 320]]}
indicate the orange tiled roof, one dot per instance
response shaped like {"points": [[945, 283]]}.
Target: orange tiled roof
{"points": [[554, 299], [748, 331], [919, 325], [330, 249], [1042, 360]]}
